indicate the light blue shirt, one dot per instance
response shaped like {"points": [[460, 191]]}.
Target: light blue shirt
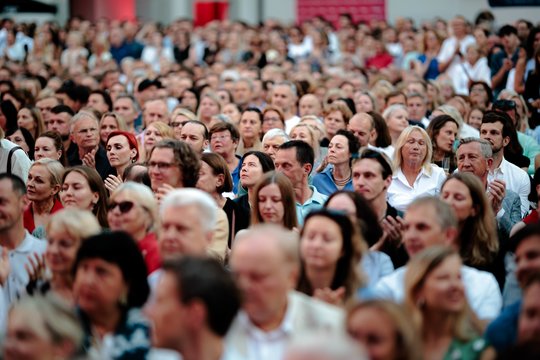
{"points": [[315, 202]]}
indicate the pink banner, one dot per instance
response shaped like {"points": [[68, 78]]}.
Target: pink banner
{"points": [[330, 9]]}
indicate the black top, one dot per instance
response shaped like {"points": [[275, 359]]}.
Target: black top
{"points": [[237, 216], [102, 163], [397, 254]]}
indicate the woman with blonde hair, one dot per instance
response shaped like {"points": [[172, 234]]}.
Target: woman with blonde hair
{"points": [[478, 239], [274, 201], [109, 122], [435, 298], [42, 188], [388, 322], [396, 120], [308, 134], [42, 328], [154, 133], [66, 230], [414, 175]]}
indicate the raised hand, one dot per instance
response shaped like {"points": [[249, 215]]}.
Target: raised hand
{"points": [[35, 267], [112, 182], [334, 297]]}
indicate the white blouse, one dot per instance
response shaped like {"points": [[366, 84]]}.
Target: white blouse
{"points": [[401, 194]]}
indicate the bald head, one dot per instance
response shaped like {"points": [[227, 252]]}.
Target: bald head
{"points": [[309, 105], [362, 126]]}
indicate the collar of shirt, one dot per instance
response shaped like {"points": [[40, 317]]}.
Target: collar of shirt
{"points": [[401, 176], [285, 329], [27, 244]]}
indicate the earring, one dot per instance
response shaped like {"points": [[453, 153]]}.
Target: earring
{"points": [[123, 299]]}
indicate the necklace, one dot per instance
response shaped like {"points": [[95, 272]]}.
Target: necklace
{"points": [[341, 183]]}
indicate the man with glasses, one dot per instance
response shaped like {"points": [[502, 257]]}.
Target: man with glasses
{"points": [[84, 129], [172, 164]]}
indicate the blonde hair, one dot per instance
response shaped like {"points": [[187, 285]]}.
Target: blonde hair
{"points": [[465, 326], [406, 336], [52, 319], [120, 122], [165, 130], [143, 196], [78, 224], [54, 168], [398, 158], [340, 106]]}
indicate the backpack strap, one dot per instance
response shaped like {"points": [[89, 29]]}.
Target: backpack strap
{"points": [[10, 155]]}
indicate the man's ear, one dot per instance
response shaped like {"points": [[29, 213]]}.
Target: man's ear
{"points": [[451, 235], [506, 141], [206, 143], [307, 168]]}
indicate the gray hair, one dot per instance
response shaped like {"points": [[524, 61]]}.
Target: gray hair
{"points": [[452, 112], [81, 115], [133, 101], [325, 345], [247, 81], [207, 206], [290, 84], [142, 195], [485, 146], [286, 240], [391, 109], [274, 133], [54, 167], [445, 215], [77, 223]]}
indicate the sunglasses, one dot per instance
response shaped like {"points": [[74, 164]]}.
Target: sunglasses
{"points": [[123, 206]]}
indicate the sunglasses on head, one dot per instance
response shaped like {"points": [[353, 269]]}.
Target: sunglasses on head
{"points": [[123, 206], [504, 105]]}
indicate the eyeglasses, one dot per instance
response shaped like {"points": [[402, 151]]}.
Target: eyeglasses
{"points": [[160, 165], [219, 137], [271, 119], [123, 206]]}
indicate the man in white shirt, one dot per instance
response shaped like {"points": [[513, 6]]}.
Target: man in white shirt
{"points": [[284, 97], [496, 128], [266, 264], [454, 47], [16, 244], [429, 222]]}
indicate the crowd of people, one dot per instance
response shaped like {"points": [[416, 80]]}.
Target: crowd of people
{"points": [[316, 191]]}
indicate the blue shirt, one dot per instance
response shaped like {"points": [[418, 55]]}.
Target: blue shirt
{"points": [[502, 332], [236, 176], [324, 182], [315, 202]]}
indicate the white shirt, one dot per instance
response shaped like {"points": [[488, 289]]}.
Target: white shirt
{"points": [[20, 163], [401, 194], [481, 290], [480, 71], [268, 345], [15, 285], [290, 123], [516, 179], [468, 131], [448, 49]]}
